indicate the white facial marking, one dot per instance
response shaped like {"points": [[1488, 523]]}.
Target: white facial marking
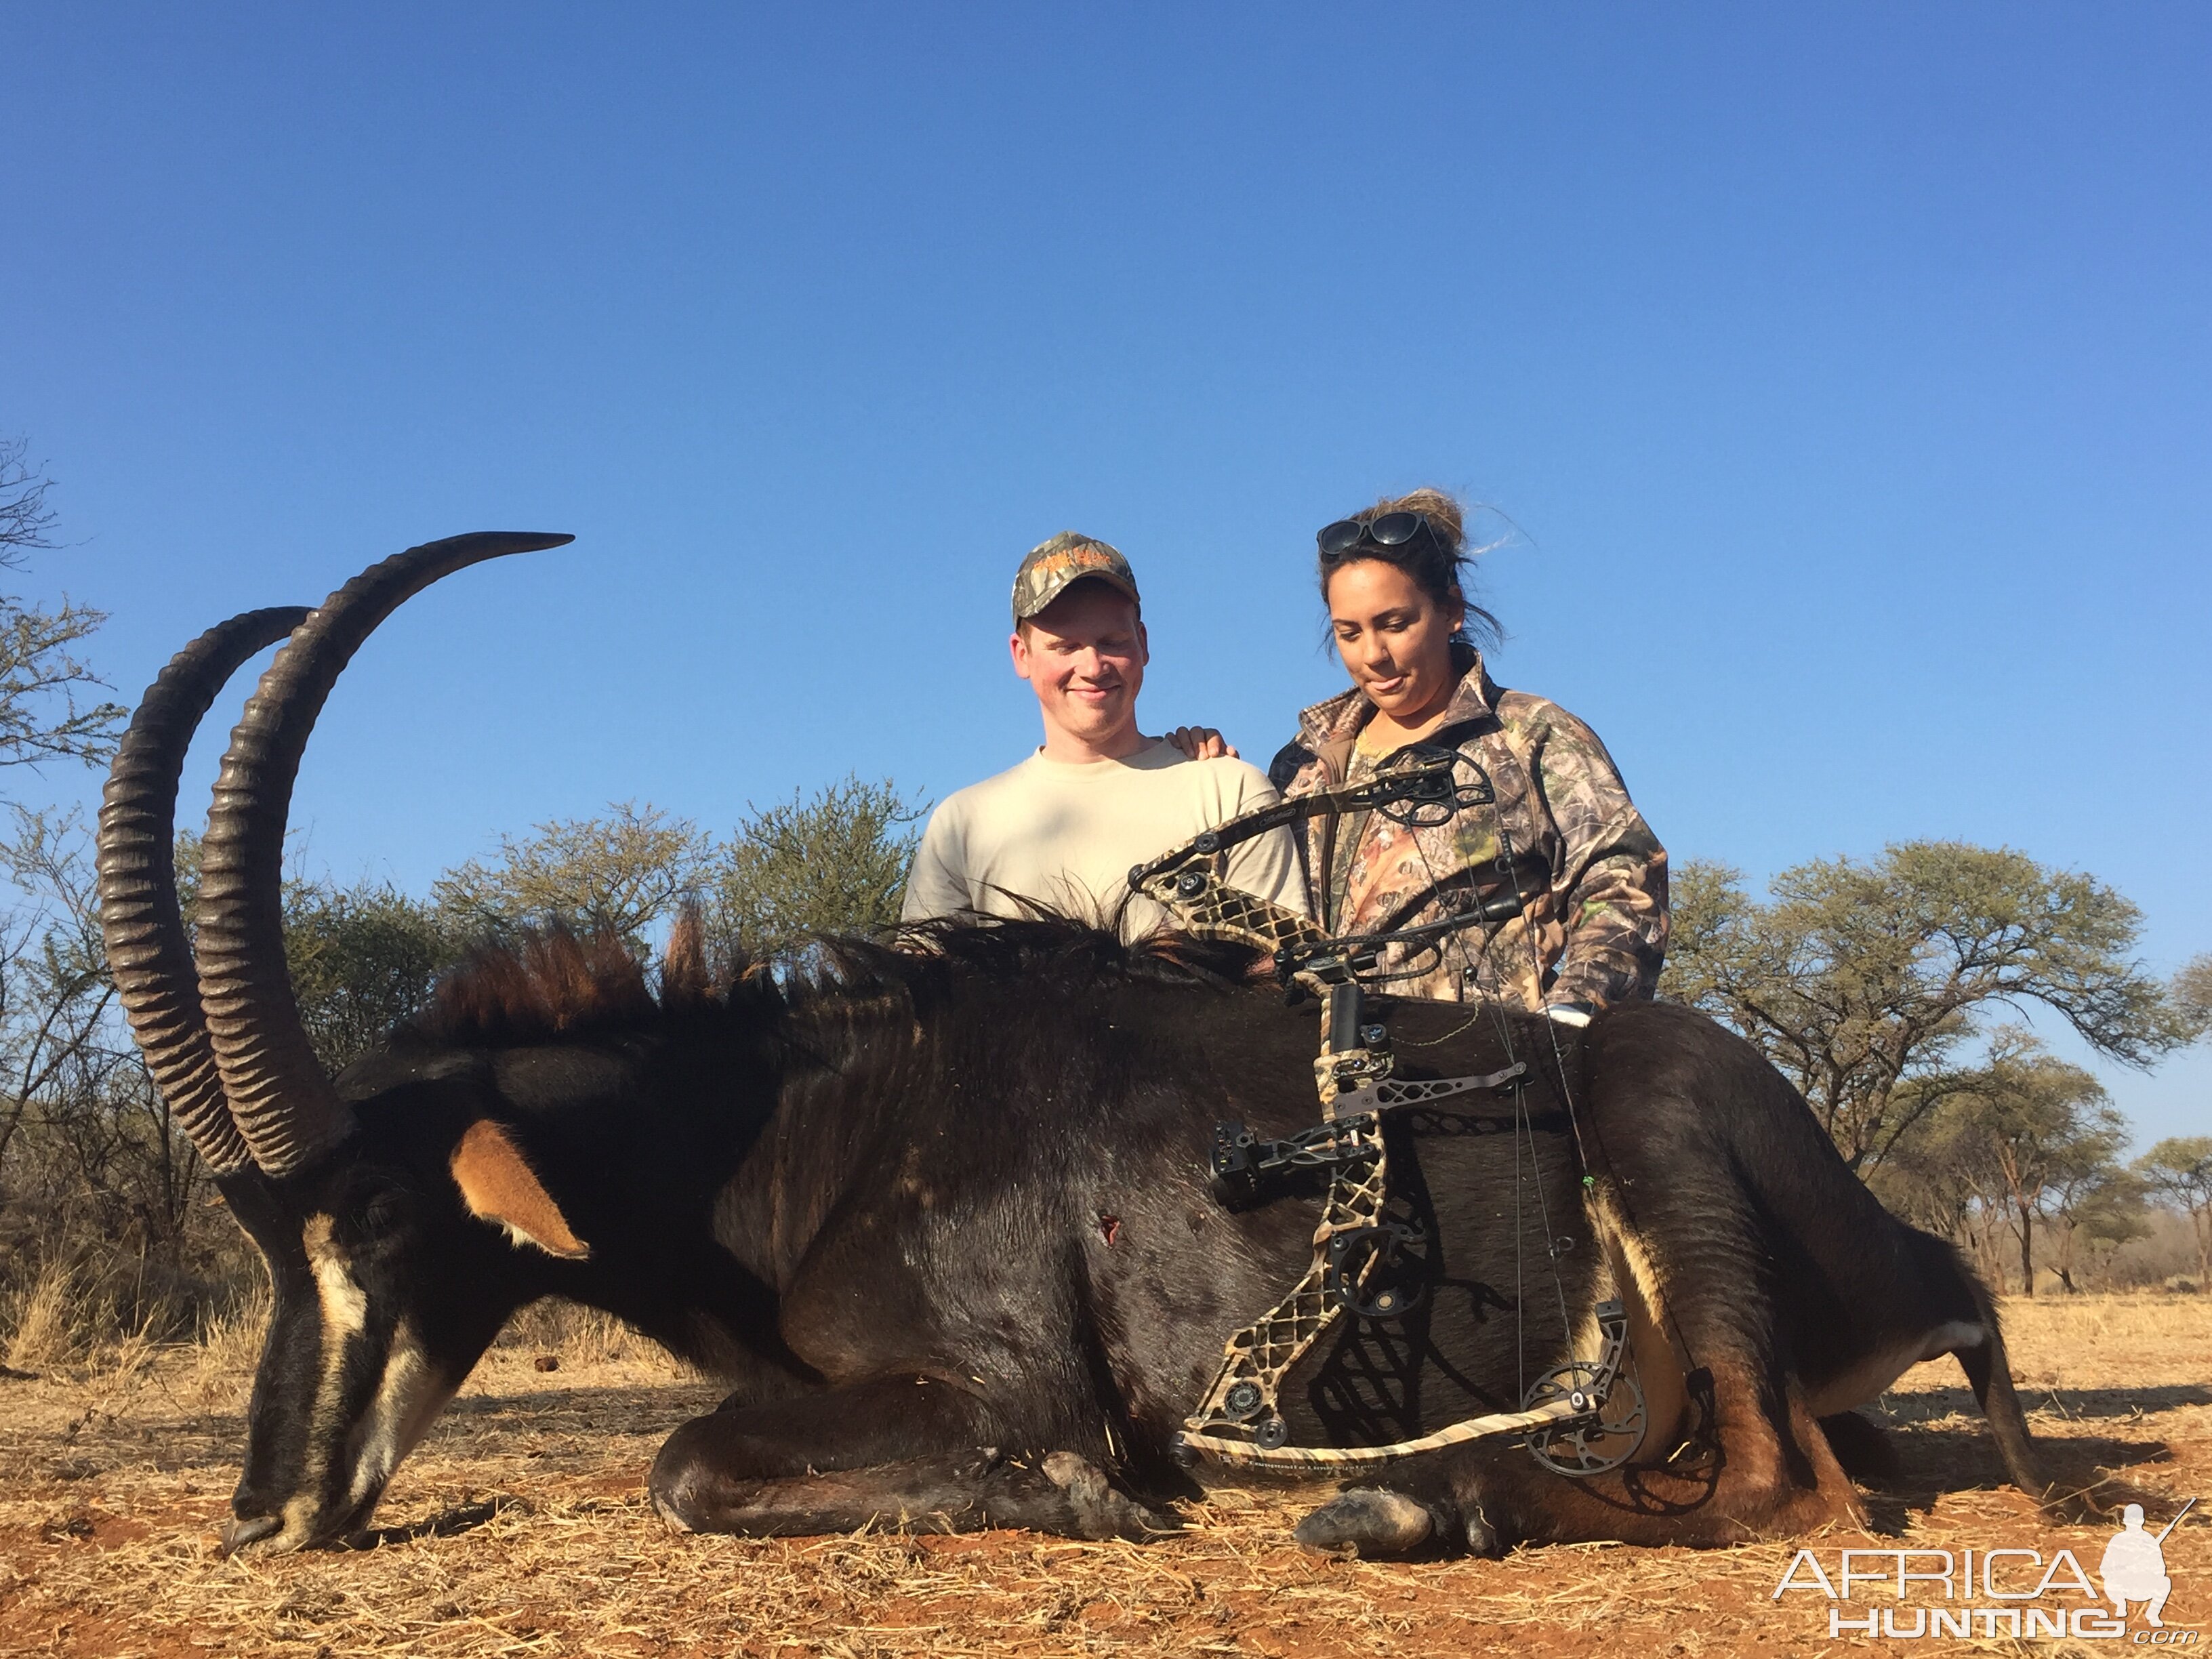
{"points": [[408, 1398], [345, 1306], [345, 1315], [410, 1394]]}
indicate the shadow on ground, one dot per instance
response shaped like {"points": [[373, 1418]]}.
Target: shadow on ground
{"points": [[445, 1523], [2085, 1403], [1938, 1457]]}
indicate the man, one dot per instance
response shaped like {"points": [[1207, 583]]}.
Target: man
{"points": [[1063, 828]]}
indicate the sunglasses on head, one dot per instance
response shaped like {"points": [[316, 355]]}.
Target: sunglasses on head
{"points": [[1345, 536]]}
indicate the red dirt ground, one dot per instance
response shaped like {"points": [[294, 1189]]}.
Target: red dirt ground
{"points": [[520, 1528]]}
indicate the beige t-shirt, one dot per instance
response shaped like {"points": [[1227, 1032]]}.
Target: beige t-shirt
{"points": [[1066, 836]]}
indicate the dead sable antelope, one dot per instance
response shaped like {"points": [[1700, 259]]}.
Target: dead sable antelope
{"points": [[941, 1216]]}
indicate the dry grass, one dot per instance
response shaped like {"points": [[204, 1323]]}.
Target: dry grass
{"points": [[42, 1324], [519, 1529], [579, 1335], [65, 1327]]}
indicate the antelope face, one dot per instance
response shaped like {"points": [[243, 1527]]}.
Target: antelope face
{"points": [[393, 1274]]}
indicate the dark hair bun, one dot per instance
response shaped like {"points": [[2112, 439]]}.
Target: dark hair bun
{"points": [[1439, 563]]}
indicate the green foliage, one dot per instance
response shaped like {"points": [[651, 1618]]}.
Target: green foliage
{"points": [[57, 1050], [90, 1167], [1861, 980], [2025, 1141], [2179, 1170], [2182, 1167], [97, 1186], [2192, 992], [2113, 1208], [363, 958], [834, 862], [1710, 924], [626, 872]]}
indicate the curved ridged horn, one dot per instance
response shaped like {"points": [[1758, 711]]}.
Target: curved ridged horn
{"points": [[283, 1104], [147, 951]]}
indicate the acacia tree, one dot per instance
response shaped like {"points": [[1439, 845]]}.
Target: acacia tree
{"points": [[2021, 1145], [626, 872], [362, 959], [2180, 1170], [2098, 1214], [1941, 1181], [834, 862], [54, 972], [2047, 1137], [1863, 981], [2192, 992]]}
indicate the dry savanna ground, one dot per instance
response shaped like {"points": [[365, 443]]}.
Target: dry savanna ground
{"points": [[520, 1528]]}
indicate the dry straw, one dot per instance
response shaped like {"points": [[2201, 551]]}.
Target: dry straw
{"points": [[520, 1529]]}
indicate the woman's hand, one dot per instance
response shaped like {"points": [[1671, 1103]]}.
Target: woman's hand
{"points": [[1202, 742]]}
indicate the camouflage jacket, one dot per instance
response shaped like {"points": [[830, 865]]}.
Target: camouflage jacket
{"points": [[1592, 876]]}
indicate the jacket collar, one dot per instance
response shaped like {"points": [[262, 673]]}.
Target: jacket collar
{"points": [[1343, 715]]}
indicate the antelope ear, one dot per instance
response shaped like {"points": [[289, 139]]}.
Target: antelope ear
{"points": [[499, 1186]]}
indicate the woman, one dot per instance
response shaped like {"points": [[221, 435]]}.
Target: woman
{"points": [[1591, 878]]}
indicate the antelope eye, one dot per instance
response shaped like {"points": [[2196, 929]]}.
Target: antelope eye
{"points": [[381, 1213]]}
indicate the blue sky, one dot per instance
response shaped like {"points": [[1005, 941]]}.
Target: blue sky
{"points": [[1842, 376]]}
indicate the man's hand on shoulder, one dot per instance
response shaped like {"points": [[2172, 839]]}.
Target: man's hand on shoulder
{"points": [[1202, 742]]}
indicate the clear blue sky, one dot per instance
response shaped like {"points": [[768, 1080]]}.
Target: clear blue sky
{"points": [[1845, 369]]}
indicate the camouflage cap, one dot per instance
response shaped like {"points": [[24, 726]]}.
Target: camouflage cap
{"points": [[1053, 565]]}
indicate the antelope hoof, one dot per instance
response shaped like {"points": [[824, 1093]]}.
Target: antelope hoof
{"points": [[1368, 1523], [1482, 1539], [1100, 1511]]}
